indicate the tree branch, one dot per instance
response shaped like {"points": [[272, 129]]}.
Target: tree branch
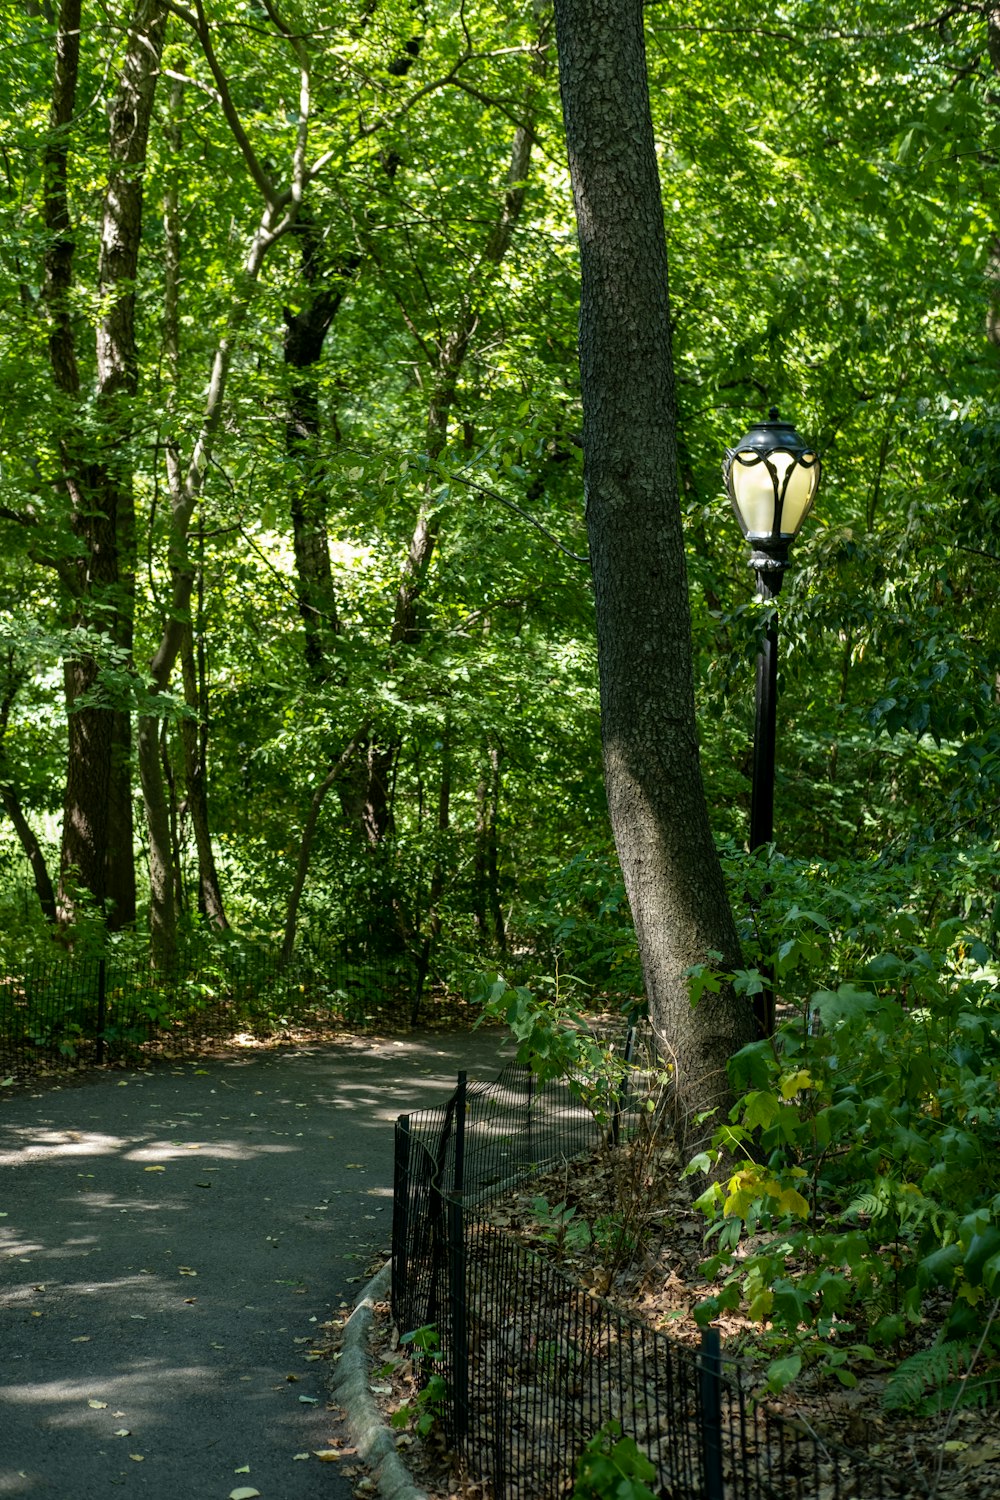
{"points": [[483, 489]]}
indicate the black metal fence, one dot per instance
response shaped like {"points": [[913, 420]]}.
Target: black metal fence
{"points": [[83, 1011], [536, 1366]]}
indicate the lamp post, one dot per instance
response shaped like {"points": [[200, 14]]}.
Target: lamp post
{"points": [[772, 477]]}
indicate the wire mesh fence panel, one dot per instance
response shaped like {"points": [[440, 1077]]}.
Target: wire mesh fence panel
{"points": [[536, 1367], [552, 1366], [85, 1010]]}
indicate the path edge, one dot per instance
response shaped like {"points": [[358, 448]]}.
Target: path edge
{"points": [[351, 1387]]}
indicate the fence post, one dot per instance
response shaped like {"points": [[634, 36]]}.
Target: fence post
{"points": [[459, 1313], [710, 1373], [102, 1009], [458, 1180], [400, 1216]]}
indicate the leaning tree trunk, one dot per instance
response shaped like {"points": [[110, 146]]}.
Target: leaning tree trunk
{"points": [[651, 761]]}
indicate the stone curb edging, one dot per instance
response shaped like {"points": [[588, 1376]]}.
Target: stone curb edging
{"points": [[351, 1386]]}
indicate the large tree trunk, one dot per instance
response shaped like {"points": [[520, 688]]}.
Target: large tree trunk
{"points": [[97, 851], [651, 761]]}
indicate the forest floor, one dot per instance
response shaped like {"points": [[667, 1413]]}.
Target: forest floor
{"points": [[948, 1455]]}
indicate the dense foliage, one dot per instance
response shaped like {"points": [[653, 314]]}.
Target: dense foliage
{"points": [[378, 719]]}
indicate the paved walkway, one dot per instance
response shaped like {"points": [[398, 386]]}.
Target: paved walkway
{"points": [[170, 1243]]}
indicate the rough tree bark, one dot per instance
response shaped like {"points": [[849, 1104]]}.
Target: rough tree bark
{"points": [[97, 852], [651, 760]]}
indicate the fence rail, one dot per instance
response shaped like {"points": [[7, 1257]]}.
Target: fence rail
{"points": [[84, 1011], [535, 1365]]}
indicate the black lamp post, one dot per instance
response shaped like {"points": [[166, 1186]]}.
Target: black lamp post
{"points": [[772, 477]]}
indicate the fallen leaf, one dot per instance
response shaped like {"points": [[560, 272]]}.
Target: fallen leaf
{"points": [[98, 1405], [309, 1400], [243, 1493], [154, 1169], [137, 1458], [326, 1455], [245, 1470], [122, 1432], [355, 1165], [186, 1271], [985, 1453], [955, 1446], [298, 1457], [83, 1339]]}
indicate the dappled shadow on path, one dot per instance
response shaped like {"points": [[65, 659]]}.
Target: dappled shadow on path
{"points": [[171, 1242]]}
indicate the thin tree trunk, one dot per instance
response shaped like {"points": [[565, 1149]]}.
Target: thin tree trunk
{"points": [[193, 729], [333, 774], [194, 736], [11, 803], [305, 333], [651, 760], [432, 923], [452, 351], [488, 906], [281, 208]]}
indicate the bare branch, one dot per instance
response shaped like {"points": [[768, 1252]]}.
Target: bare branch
{"points": [[198, 22], [483, 489]]}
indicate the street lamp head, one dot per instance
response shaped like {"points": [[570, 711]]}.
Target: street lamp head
{"points": [[772, 477]]}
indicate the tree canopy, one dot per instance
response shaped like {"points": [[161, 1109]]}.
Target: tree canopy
{"points": [[298, 627]]}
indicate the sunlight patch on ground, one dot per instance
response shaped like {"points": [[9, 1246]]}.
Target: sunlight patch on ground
{"points": [[46, 1144], [141, 1386], [160, 1151]]}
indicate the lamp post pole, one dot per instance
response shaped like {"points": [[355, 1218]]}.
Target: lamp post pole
{"points": [[769, 580], [772, 478]]}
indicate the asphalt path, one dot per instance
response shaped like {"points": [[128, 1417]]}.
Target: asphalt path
{"points": [[172, 1241]]}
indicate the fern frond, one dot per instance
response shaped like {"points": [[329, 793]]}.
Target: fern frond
{"points": [[961, 1394], [869, 1205], [929, 1369]]}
